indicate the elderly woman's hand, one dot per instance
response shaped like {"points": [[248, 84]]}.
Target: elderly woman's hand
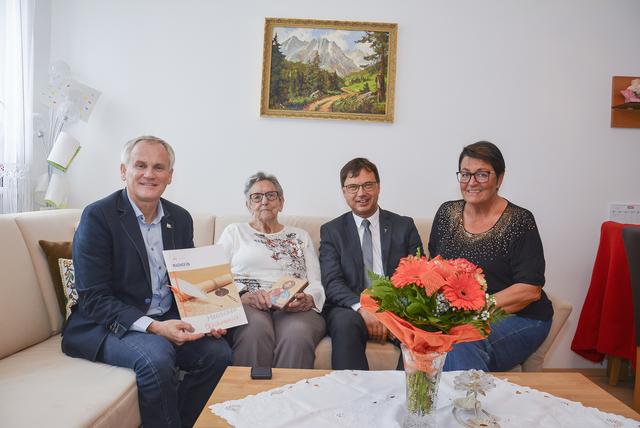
{"points": [[301, 302], [260, 300]]}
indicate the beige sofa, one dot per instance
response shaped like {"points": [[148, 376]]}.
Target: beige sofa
{"points": [[40, 386]]}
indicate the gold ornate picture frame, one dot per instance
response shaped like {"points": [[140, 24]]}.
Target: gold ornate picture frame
{"points": [[329, 69]]}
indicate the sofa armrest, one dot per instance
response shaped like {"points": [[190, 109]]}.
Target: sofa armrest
{"points": [[561, 311]]}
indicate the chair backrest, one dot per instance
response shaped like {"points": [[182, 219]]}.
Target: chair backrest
{"points": [[631, 238]]}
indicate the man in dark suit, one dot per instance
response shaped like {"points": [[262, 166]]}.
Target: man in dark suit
{"points": [[126, 315], [365, 239]]}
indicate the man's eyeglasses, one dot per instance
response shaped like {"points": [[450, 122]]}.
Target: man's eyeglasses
{"points": [[367, 187], [480, 176], [257, 197]]}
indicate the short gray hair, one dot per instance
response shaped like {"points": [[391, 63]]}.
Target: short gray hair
{"points": [[125, 156], [261, 176]]}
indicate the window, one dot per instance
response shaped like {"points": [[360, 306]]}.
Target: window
{"points": [[16, 108]]}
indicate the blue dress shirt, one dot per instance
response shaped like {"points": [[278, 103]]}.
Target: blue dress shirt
{"points": [[152, 235]]}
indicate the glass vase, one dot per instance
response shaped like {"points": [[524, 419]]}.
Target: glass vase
{"points": [[423, 377]]}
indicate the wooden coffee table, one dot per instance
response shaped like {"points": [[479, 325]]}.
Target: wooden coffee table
{"points": [[236, 383]]}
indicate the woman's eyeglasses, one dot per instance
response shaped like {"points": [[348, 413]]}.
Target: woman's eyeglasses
{"points": [[480, 176], [257, 197]]}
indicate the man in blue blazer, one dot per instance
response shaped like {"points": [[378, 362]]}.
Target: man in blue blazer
{"points": [[365, 239], [126, 315]]}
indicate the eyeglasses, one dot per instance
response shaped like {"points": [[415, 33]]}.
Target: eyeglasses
{"points": [[257, 197], [367, 187], [480, 176]]}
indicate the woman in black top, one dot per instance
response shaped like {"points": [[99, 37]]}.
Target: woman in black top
{"points": [[503, 240]]}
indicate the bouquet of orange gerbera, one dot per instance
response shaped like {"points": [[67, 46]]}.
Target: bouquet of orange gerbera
{"points": [[431, 304]]}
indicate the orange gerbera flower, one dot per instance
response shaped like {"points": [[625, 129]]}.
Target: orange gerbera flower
{"points": [[464, 292], [443, 266], [410, 271], [432, 280], [416, 270]]}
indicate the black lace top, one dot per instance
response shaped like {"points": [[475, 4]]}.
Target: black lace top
{"points": [[510, 252]]}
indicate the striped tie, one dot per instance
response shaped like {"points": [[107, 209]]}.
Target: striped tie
{"points": [[367, 251]]}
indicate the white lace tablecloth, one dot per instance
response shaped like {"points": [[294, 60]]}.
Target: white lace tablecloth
{"points": [[377, 399]]}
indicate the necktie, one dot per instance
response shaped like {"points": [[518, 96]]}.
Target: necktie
{"points": [[367, 251]]}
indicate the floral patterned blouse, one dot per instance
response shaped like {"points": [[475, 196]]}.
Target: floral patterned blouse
{"points": [[259, 259]]}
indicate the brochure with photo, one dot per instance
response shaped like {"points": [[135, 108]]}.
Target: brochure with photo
{"points": [[203, 287]]}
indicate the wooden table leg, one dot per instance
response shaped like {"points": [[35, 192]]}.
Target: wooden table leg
{"points": [[613, 367], [636, 388]]}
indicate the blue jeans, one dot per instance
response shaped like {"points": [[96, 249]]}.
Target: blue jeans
{"points": [[511, 341], [164, 400]]}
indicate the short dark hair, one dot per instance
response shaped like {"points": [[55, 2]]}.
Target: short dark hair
{"points": [[486, 151], [353, 168]]}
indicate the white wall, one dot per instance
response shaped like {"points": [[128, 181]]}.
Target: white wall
{"points": [[533, 77]]}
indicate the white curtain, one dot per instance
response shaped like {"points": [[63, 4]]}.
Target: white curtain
{"points": [[16, 97]]}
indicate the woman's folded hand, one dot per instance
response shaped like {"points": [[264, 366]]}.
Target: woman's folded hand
{"points": [[259, 300], [301, 302]]}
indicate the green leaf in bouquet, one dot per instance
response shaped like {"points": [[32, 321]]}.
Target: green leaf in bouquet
{"points": [[377, 279], [415, 308]]}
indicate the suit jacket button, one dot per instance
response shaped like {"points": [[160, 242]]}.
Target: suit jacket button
{"points": [[147, 301]]}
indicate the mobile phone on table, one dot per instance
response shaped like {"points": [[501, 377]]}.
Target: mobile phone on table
{"points": [[260, 372]]}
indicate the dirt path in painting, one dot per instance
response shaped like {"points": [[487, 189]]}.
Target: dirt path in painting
{"points": [[326, 104]]}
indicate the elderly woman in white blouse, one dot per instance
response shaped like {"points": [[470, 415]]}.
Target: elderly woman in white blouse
{"points": [[261, 252]]}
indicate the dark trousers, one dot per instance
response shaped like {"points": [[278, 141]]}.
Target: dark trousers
{"points": [[348, 339], [164, 400]]}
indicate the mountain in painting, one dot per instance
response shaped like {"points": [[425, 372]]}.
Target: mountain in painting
{"points": [[332, 58]]}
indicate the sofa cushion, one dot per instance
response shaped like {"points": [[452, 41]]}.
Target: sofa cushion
{"points": [[424, 230], [23, 314], [55, 251], [42, 387], [68, 276], [203, 225], [53, 225]]}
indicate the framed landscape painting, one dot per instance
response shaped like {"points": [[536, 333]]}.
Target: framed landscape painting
{"points": [[329, 69]]}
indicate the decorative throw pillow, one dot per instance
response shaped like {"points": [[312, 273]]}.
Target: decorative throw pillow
{"points": [[68, 275], [55, 251]]}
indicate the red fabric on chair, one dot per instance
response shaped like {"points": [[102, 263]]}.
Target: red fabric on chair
{"points": [[606, 325]]}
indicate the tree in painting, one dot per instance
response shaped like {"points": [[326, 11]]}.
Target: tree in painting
{"points": [[277, 93], [379, 42]]}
